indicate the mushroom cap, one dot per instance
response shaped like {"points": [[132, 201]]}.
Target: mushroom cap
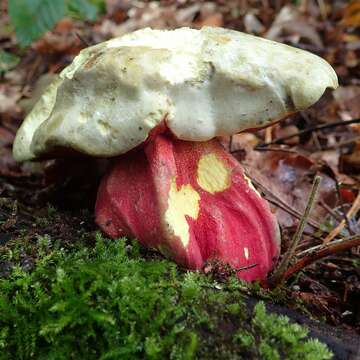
{"points": [[203, 83]]}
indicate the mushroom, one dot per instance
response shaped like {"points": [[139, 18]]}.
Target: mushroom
{"points": [[156, 100]]}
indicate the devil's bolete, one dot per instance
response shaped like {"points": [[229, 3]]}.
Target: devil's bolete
{"points": [[157, 100]]}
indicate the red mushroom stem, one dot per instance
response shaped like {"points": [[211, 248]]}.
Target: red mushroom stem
{"points": [[192, 202]]}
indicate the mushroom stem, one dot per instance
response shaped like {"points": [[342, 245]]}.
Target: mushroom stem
{"points": [[191, 201]]}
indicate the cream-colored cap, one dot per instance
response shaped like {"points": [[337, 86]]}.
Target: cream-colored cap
{"points": [[204, 83]]}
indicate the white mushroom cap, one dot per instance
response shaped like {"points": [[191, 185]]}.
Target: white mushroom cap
{"points": [[205, 83]]}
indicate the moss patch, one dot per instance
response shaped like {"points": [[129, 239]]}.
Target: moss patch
{"points": [[108, 302]]}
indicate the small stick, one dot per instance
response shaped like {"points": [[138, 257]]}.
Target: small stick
{"points": [[230, 143], [342, 144], [245, 267], [333, 213], [342, 208], [335, 243], [318, 252], [268, 134], [322, 8], [280, 149], [86, 43], [281, 269], [352, 212], [316, 141], [311, 129]]}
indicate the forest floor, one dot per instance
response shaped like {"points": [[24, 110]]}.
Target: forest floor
{"points": [[47, 208]]}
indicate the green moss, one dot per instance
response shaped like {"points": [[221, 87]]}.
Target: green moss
{"points": [[109, 302], [280, 339]]}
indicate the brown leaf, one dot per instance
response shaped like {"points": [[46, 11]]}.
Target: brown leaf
{"points": [[350, 163], [287, 131], [291, 23], [252, 23], [348, 99], [288, 176], [9, 95], [211, 20], [6, 137], [41, 84], [352, 14], [8, 166], [114, 6]]}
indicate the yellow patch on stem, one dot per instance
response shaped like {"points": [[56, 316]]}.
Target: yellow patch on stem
{"points": [[182, 202], [212, 174]]}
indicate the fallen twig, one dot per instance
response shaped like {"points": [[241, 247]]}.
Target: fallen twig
{"points": [[86, 43], [342, 207], [352, 212], [325, 206], [281, 269], [318, 252], [342, 144], [309, 130], [280, 149]]}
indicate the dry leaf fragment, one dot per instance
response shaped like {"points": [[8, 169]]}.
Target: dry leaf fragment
{"points": [[352, 14], [252, 24], [9, 95], [348, 99], [290, 22]]}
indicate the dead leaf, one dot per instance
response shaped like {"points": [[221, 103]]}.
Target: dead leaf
{"points": [[291, 25], [40, 86], [350, 163], [348, 99], [9, 96], [211, 20], [114, 6], [285, 131], [288, 176], [8, 166], [208, 15], [6, 137], [252, 23], [59, 43], [352, 14]]}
